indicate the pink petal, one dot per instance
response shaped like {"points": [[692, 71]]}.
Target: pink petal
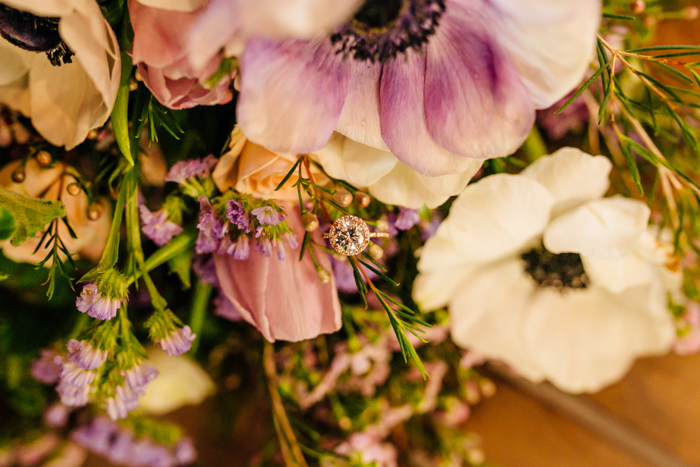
{"points": [[475, 103], [403, 122], [292, 94], [160, 36], [359, 120], [283, 299]]}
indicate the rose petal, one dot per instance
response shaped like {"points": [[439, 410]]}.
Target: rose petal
{"points": [[551, 42], [271, 72], [173, 5], [475, 103], [284, 300], [605, 228], [571, 176]]}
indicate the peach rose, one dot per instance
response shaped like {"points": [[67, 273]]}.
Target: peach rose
{"points": [[250, 168], [52, 183]]}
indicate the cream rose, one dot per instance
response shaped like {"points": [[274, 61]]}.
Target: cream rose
{"points": [[54, 183], [250, 168]]}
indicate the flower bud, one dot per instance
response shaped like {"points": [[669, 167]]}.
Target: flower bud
{"points": [[362, 199], [92, 134], [73, 189], [375, 251], [382, 225], [343, 197], [475, 456], [94, 211], [340, 258], [487, 387], [324, 276], [310, 221], [43, 158], [691, 13], [18, 175], [133, 85], [638, 7]]}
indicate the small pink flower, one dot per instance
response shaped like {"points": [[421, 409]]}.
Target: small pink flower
{"points": [[178, 342]]}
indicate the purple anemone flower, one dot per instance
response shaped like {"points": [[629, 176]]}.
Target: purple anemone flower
{"points": [[157, 227], [437, 82]]}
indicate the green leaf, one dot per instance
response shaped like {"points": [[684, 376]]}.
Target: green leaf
{"points": [[120, 113], [614, 16], [633, 167], [665, 47], [29, 215], [180, 265], [584, 86], [675, 72], [7, 224]]}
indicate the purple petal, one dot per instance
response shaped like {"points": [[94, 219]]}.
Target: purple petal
{"points": [[292, 93], [475, 102], [403, 122]]}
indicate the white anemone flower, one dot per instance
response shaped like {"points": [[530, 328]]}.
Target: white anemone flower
{"points": [[67, 100], [386, 177], [541, 272]]}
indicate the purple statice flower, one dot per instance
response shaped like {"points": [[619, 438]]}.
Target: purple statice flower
{"points": [[178, 342], [121, 447], [145, 452], [344, 277], [406, 219], [184, 170], [185, 452], [239, 249], [56, 415], [96, 305], [237, 215], [74, 386], [211, 228], [157, 227], [118, 408], [291, 239], [225, 308], [98, 436], [205, 268], [263, 245], [573, 119], [85, 355], [45, 369], [280, 250], [138, 376], [267, 215]]}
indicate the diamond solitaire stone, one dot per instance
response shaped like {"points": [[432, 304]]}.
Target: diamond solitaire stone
{"points": [[349, 235]]}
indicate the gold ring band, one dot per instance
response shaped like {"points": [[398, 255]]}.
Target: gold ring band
{"points": [[371, 235]]}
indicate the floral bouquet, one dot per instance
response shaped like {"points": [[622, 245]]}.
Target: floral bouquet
{"points": [[332, 220]]}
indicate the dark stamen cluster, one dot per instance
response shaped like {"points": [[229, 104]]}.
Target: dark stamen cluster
{"points": [[561, 271], [384, 29], [34, 33]]}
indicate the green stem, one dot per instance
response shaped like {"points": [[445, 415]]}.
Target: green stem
{"points": [[109, 258], [534, 146], [80, 324], [200, 303], [177, 245]]}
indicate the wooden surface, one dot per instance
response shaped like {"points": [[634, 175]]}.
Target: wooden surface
{"points": [[650, 418]]}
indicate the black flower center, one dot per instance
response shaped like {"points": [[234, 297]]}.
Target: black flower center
{"points": [[34, 33], [561, 271], [383, 29]]}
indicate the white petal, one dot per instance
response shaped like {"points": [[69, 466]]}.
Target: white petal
{"points": [[15, 62], [488, 315], [551, 42], [356, 163], [434, 290], [571, 176], [618, 275], [174, 5], [495, 217], [299, 18], [605, 228], [403, 186], [586, 339]]}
